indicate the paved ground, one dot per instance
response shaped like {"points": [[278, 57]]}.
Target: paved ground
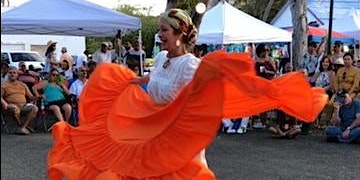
{"points": [[232, 157]]}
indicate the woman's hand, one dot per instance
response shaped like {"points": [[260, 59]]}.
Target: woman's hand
{"points": [[137, 80], [140, 80]]}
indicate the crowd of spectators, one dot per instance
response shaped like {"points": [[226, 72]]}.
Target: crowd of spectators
{"points": [[60, 87]]}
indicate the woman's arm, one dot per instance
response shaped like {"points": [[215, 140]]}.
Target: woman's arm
{"points": [[140, 80], [356, 82], [37, 87]]}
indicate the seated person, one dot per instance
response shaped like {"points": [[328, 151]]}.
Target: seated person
{"points": [[66, 70], [285, 127], [53, 96], [78, 85], [13, 99], [346, 119]]}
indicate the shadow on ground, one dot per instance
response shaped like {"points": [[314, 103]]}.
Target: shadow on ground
{"points": [[254, 156]]}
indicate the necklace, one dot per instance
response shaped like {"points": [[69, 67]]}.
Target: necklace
{"points": [[166, 63]]}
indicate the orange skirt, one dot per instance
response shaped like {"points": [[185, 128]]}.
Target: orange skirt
{"points": [[123, 135]]}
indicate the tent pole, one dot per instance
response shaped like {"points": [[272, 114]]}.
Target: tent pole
{"points": [[141, 57]]}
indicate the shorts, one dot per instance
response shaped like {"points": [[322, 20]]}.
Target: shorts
{"points": [[59, 103], [24, 109]]}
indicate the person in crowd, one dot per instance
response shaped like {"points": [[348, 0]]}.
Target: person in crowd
{"points": [[78, 85], [4, 71], [134, 55], [54, 91], [238, 125], [66, 56], [337, 56], [66, 70], [118, 53], [91, 65], [265, 67], [102, 55], [30, 78], [310, 60], [348, 77], [325, 78], [82, 59], [13, 99], [346, 119], [284, 127], [198, 51], [50, 56]]}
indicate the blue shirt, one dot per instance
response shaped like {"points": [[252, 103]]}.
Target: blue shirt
{"points": [[347, 114]]}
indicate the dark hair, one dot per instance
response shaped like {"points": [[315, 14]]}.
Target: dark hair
{"points": [[312, 44], [321, 69], [50, 49], [338, 43], [349, 54], [259, 49], [54, 69]]}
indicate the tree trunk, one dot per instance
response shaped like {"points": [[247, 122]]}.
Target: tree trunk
{"points": [[267, 10], [300, 40]]}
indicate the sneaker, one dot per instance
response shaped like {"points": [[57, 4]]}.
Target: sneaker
{"points": [[22, 131], [241, 130], [231, 131], [258, 125]]}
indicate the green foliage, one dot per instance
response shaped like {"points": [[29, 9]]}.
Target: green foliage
{"points": [[148, 24]]}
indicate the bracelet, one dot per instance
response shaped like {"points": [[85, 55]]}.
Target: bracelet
{"points": [[348, 128]]}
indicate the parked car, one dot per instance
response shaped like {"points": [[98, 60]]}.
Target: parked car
{"points": [[29, 57]]}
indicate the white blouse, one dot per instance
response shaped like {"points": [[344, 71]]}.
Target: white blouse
{"points": [[166, 83]]}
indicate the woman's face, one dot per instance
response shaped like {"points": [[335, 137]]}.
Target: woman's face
{"points": [[265, 52], [53, 75], [348, 61], [326, 63], [167, 36]]}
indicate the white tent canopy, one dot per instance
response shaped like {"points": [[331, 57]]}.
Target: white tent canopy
{"points": [[349, 24], [66, 17], [224, 24]]}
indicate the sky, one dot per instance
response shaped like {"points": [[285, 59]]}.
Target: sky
{"points": [[158, 6]]}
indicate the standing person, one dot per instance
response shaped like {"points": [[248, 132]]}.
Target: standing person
{"points": [[66, 56], [310, 60], [134, 56], [126, 133], [102, 55], [337, 55], [50, 56], [82, 59]]}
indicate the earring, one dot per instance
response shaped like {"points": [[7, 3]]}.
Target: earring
{"points": [[177, 43]]}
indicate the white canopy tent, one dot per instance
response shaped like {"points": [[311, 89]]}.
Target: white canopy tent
{"points": [[349, 24], [66, 17], [224, 24]]}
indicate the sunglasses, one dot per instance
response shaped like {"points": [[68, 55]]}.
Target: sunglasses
{"points": [[83, 70], [54, 75], [12, 72], [344, 75]]}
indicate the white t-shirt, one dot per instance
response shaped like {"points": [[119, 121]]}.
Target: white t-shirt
{"points": [[166, 83], [80, 60], [101, 57], [77, 87]]}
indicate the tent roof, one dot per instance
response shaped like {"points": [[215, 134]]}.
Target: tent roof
{"points": [[65, 17], [346, 16], [224, 24]]}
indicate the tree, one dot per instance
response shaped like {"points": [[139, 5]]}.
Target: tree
{"points": [[299, 20]]}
